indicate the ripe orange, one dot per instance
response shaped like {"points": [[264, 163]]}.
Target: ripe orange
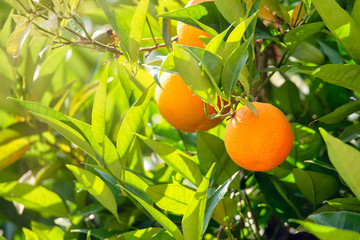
{"points": [[189, 35], [258, 143], [181, 107]]}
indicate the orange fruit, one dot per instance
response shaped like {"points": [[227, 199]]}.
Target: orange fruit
{"points": [[182, 108], [258, 143], [189, 35]]}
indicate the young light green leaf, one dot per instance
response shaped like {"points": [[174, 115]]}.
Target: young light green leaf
{"points": [[81, 97], [47, 232], [341, 25], [194, 76], [328, 233], [193, 219], [18, 38], [235, 37], [216, 42], [295, 36], [233, 67], [315, 186], [12, 151], [215, 199], [168, 65], [172, 197], [340, 113], [145, 233], [131, 123], [176, 159], [96, 187], [99, 108], [345, 75], [29, 235], [161, 218], [345, 159], [37, 198], [59, 97], [137, 28]]}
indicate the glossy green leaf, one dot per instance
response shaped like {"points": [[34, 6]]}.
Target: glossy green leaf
{"points": [[315, 186], [347, 204], [287, 98], [12, 151], [342, 220], [96, 187], [341, 25], [131, 123], [225, 211], [307, 143], [214, 200], [345, 75], [168, 64], [232, 10], [328, 233], [217, 43], [162, 235], [37, 198], [18, 38], [99, 108], [193, 75], [171, 197], [137, 28], [307, 52], [193, 219], [276, 197], [176, 159], [295, 36], [345, 159], [211, 149], [350, 133], [136, 185], [340, 113], [232, 68], [145, 233], [161, 218], [47, 232]]}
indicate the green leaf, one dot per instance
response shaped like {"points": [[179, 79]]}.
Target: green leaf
{"points": [[81, 97], [341, 25], [59, 97], [210, 63], [176, 159], [161, 218], [232, 10], [345, 75], [146, 233], [350, 133], [345, 159], [307, 143], [194, 76], [233, 67], [287, 98], [172, 197], [119, 24], [340, 113], [32, 197], [47, 232], [211, 149], [355, 14], [136, 30], [214, 200], [205, 12], [193, 219], [101, 233], [168, 64], [295, 36], [217, 43], [225, 211], [162, 235], [342, 220], [315, 186], [348, 204], [131, 123], [99, 108], [276, 197], [96, 187], [12, 151], [328, 233], [29, 235], [18, 38], [235, 37]]}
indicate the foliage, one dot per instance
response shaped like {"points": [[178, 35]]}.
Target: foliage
{"points": [[85, 153]]}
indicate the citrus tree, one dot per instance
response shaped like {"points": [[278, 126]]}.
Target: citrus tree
{"points": [[146, 119]]}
